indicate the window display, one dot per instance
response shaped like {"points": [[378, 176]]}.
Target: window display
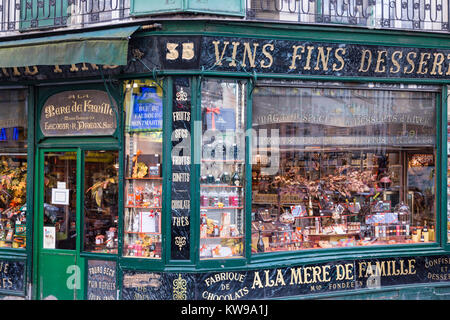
{"points": [[143, 170], [342, 167], [13, 168], [448, 172], [101, 201], [222, 169]]}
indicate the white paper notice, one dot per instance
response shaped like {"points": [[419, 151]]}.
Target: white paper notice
{"points": [[60, 196], [61, 185], [148, 221], [49, 238]]}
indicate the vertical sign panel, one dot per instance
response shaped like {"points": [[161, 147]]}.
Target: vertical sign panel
{"points": [[101, 280], [181, 165]]}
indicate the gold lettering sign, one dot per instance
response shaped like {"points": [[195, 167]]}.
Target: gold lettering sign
{"points": [[306, 57], [82, 112]]}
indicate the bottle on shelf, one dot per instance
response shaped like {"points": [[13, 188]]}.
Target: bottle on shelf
{"points": [[204, 199], [424, 236], [226, 198], [203, 219], [216, 231], [310, 207], [236, 179], [235, 151], [225, 178], [260, 243], [234, 199]]}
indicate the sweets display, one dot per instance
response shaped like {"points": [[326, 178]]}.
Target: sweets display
{"points": [[13, 175], [222, 170], [142, 224], [337, 206]]}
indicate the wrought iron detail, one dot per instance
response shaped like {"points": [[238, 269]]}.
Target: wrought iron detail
{"points": [[425, 15], [21, 15], [95, 16]]}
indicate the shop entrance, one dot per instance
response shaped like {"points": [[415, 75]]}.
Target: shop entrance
{"points": [[59, 264], [77, 213]]}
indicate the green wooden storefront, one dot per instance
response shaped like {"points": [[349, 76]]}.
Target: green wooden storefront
{"points": [[411, 271]]}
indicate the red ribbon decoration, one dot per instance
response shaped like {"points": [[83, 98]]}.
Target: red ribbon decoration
{"points": [[213, 111]]}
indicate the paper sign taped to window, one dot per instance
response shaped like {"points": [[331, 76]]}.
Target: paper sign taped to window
{"points": [[60, 196], [49, 238]]}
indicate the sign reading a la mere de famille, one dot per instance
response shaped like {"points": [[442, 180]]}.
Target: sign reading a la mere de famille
{"points": [[291, 281], [78, 113]]}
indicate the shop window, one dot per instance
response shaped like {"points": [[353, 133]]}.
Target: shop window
{"points": [[143, 169], [342, 168], [13, 168], [101, 199], [448, 172], [222, 171]]}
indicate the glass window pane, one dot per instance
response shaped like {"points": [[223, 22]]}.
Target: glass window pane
{"points": [[143, 171], [13, 168], [101, 173], [222, 178], [60, 200], [448, 170], [342, 167]]}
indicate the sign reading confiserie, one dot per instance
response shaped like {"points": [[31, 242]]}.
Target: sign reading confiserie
{"points": [[80, 112]]}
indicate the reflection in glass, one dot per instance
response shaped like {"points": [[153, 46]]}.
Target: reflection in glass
{"points": [[101, 201], [60, 195], [342, 168], [143, 170], [222, 173]]}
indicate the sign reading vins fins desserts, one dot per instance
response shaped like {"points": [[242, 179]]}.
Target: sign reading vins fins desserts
{"points": [[181, 164], [80, 112]]}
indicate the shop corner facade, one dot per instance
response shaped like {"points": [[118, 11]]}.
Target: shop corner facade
{"points": [[226, 160]]}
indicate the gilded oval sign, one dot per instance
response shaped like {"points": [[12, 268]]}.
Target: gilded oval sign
{"points": [[80, 112]]}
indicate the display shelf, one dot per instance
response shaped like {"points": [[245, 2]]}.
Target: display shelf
{"points": [[334, 234], [142, 207], [219, 186], [137, 232], [230, 161], [219, 238], [220, 208], [144, 178]]}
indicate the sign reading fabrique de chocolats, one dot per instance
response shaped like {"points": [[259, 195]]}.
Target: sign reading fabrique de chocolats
{"points": [[293, 280]]}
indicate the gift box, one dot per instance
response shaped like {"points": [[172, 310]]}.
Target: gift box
{"points": [[387, 217], [221, 119]]}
